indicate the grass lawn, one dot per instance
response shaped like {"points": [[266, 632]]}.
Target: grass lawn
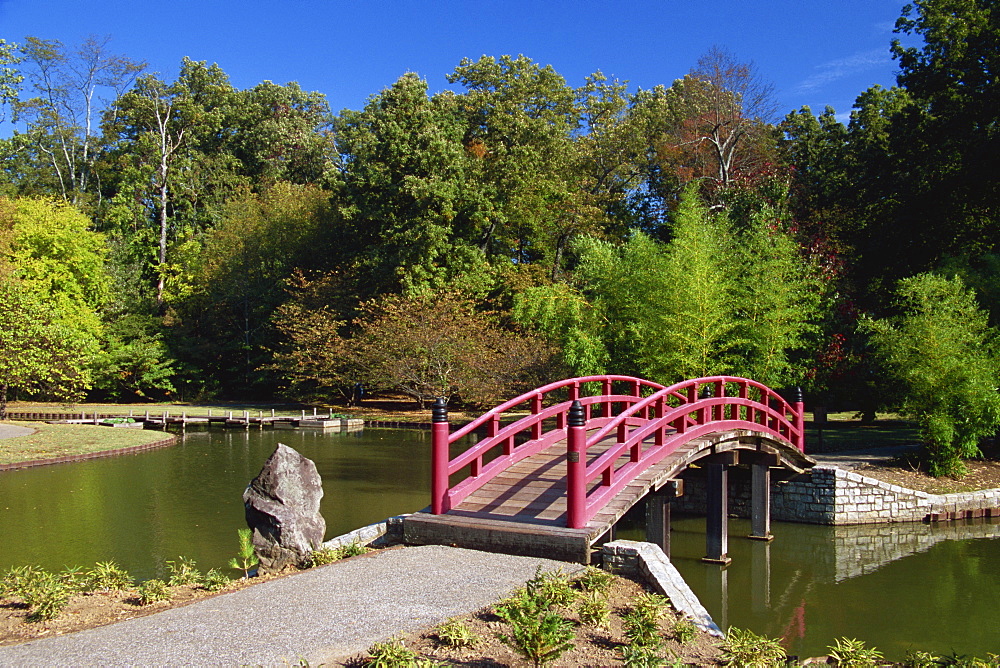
{"points": [[843, 431], [61, 440]]}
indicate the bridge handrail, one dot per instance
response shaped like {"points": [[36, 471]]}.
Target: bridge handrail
{"points": [[772, 410], [443, 496], [720, 381], [771, 414], [541, 392]]}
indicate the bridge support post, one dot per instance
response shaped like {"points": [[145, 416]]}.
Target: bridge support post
{"points": [[717, 514], [760, 503], [658, 513]]}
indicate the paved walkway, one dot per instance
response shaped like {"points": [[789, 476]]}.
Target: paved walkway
{"points": [[319, 616], [12, 430]]}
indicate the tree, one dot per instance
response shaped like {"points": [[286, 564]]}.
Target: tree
{"points": [[718, 123], [440, 346], [944, 356], [408, 196], [778, 301], [57, 258], [39, 353], [222, 325], [166, 140], [62, 116], [52, 282], [311, 360], [668, 310]]}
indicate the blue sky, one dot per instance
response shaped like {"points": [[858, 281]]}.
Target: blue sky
{"points": [[815, 53]]}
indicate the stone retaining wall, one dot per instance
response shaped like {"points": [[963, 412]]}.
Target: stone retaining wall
{"points": [[648, 561], [831, 495]]}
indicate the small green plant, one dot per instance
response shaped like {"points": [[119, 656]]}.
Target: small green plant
{"points": [[214, 580], [641, 656], [246, 557], [328, 555], [152, 591], [352, 549], [108, 576], [393, 654], [456, 633], [594, 579], [183, 572], [74, 578], [745, 648], [593, 609], [853, 653], [45, 593], [641, 629], [539, 636], [684, 630], [919, 659], [653, 606]]}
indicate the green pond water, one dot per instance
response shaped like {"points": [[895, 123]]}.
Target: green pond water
{"points": [[908, 586]]}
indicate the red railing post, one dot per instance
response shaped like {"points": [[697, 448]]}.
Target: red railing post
{"points": [[799, 408], [536, 408], [576, 467], [439, 456]]}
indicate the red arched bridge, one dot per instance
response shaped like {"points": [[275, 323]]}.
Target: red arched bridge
{"points": [[559, 465]]}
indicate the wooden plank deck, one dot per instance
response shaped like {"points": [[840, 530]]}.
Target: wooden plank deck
{"points": [[523, 509]]}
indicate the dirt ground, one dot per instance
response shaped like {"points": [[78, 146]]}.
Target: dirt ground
{"points": [[594, 646]]}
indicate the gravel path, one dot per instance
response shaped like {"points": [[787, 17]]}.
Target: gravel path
{"points": [[318, 616], [11, 430]]}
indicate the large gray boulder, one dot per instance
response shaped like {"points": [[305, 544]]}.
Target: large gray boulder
{"points": [[282, 509]]}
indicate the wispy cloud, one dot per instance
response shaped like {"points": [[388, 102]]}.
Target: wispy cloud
{"points": [[844, 67]]}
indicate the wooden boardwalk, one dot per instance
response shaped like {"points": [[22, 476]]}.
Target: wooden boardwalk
{"points": [[523, 509]]}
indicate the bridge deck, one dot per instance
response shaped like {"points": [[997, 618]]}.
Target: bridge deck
{"points": [[523, 509]]}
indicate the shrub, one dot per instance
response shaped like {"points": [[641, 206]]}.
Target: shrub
{"points": [[652, 606], [684, 630], [152, 591], [596, 580], [214, 580], [392, 654], [641, 629], [183, 572], [108, 576], [45, 593], [455, 633], [942, 353], [851, 652], [747, 649], [540, 637], [326, 556], [593, 609], [642, 656]]}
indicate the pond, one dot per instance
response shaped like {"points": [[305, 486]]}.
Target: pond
{"points": [[921, 586]]}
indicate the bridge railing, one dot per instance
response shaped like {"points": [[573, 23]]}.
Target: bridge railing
{"points": [[648, 421], [651, 429], [512, 435]]}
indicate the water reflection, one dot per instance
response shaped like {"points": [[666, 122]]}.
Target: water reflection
{"points": [[143, 509], [898, 587]]}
